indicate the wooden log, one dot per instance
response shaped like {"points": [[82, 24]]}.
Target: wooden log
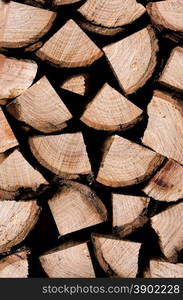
{"points": [[70, 47], [63, 154], [15, 76], [7, 137], [127, 60], [22, 24], [163, 269], [15, 265], [18, 178], [64, 2], [166, 185], [164, 130], [128, 213], [126, 163], [41, 108], [168, 226], [172, 75], [118, 258], [109, 17], [77, 84], [71, 260], [109, 110], [17, 218]]}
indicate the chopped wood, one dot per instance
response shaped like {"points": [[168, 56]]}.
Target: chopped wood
{"points": [[70, 47], [71, 260], [7, 137], [65, 2], [22, 24], [127, 60], [163, 269], [15, 265], [62, 154], [164, 130], [126, 163], [41, 108], [118, 258], [110, 110], [15, 76], [166, 185], [77, 84], [17, 218]]}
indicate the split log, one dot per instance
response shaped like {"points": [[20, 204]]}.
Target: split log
{"points": [[126, 163], [173, 72], [77, 84], [22, 24], [118, 258], [168, 226], [166, 185], [127, 60], [41, 108], [163, 269], [71, 260], [109, 17], [15, 265], [63, 154], [109, 110], [70, 47], [7, 137], [165, 117], [128, 213], [15, 76], [17, 218], [18, 179], [65, 2]]}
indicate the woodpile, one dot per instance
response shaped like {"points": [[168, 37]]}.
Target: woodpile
{"points": [[91, 138]]}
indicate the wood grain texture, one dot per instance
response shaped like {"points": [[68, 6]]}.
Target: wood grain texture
{"points": [[7, 137], [15, 265], [163, 269], [65, 2], [77, 84]]}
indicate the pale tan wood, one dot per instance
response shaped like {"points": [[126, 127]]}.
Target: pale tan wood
{"points": [[126, 57], [34, 47], [166, 185], [14, 265], [65, 2], [62, 154], [21, 24], [110, 110], [164, 130], [70, 47], [77, 84], [118, 258], [7, 137], [168, 226], [41, 108], [71, 260], [17, 218], [17, 176], [125, 163], [173, 72], [15, 76], [163, 269]]}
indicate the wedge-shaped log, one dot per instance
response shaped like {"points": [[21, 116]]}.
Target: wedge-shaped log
{"points": [[118, 258], [109, 110], [126, 57], [163, 269], [165, 118], [14, 265], [70, 47], [22, 24], [41, 108], [126, 163], [71, 260], [7, 137], [77, 84]]}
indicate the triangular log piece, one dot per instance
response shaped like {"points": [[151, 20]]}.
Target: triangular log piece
{"points": [[62, 154], [70, 47], [14, 265], [65, 2], [7, 137], [109, 17], [173, 72], [71, 260], [128, 62], [23, 24], [41, 108], [110, 110], [15, 76], [128, 213], [77, 84], [168, 226], [118, 258], [17, 218], [164, 130], [75, 207], [167, 184], [126, 163], [163, 269], [18, 178]]}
